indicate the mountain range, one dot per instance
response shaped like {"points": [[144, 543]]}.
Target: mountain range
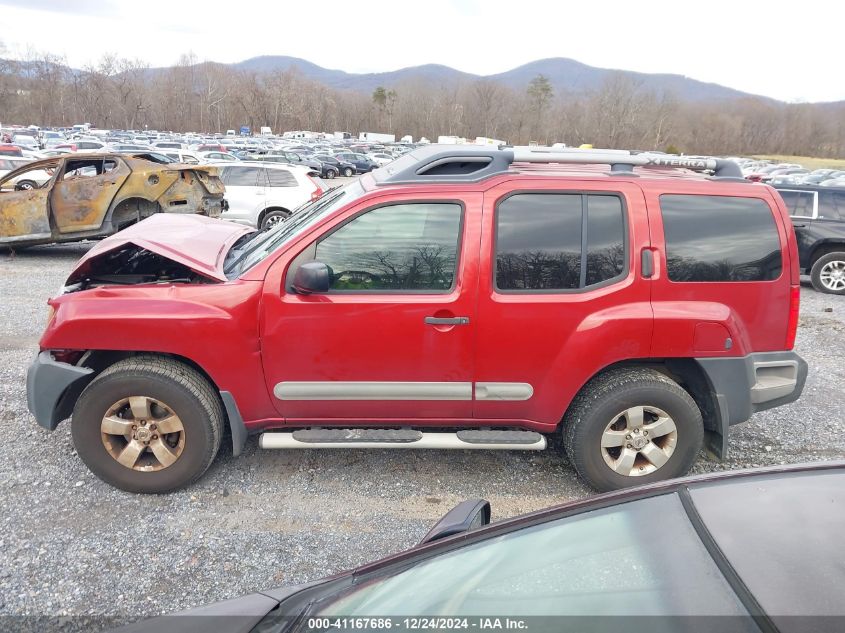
{"points": [[565, 76]]}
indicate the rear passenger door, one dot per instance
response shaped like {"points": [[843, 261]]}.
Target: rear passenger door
{"points": [[722, 283], [561, 294], [282, 190], [803, 206], [245, 196], [83, 192]]}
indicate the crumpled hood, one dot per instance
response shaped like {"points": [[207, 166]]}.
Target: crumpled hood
{"points": [[195, 241]]}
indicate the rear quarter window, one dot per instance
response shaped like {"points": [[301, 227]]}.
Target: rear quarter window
{"points": [[720, 238]]}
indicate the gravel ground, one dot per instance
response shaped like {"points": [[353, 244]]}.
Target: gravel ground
{"points": [[71, 545]]}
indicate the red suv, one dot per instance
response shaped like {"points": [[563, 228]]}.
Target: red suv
{"points": [[460, 297]]}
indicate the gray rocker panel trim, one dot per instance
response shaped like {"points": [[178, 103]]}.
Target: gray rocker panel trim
{"points": [[369, 390], [392, 390]]}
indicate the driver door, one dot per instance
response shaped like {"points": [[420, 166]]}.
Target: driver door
{"points": [[392, 339]]}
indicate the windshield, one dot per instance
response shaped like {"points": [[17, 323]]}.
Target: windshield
{"points": [[254, 247]]}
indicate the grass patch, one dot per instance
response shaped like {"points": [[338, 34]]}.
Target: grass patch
{"points": [[809, 162]]}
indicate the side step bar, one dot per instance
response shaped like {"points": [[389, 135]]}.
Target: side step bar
{"points": [[404, 438]]}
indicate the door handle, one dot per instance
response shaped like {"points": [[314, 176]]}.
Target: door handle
{"points": [[647, 263], [447, 320], [799, 226]]}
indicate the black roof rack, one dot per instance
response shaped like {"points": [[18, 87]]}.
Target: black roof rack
{"points": [[471, 163]]}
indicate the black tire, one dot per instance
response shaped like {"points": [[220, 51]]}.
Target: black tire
{"points": [[272, 218], [331, 174], [615, 391], [348, 172], [186, 392], [25, 185], [829, 285]]}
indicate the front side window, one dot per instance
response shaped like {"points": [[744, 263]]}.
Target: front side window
{"points": [[720, 238], [610, 562], [403, 247], [541, 238]]}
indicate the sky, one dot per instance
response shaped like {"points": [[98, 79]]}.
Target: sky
{"points": [[782, 49]]}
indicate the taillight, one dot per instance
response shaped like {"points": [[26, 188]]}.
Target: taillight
{"points": [[317, 193], [792, 327]]}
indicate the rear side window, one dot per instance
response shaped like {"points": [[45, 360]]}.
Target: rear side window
{"points": [[240, 176], [720, 238], [559, 242], [799, 203], [832, 205], [279, 178]]}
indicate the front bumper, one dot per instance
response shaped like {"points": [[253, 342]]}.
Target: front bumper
{"points": [[52, 388]]}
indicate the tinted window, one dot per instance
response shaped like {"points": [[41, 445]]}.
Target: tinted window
{"points": [[720, 238], [832, 205], [539, 241], [400, 247], [280, 178], [240, 176], [799, 203], [605, 238], [606, 562]]}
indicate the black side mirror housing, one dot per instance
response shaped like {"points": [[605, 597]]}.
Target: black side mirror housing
{"points": [[466, 516], [311, 278]]}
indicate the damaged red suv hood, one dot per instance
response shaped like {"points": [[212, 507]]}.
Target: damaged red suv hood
{"points": [[195, 241]]}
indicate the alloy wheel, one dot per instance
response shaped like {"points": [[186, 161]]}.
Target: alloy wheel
{"points": [[142, 433], [832, 275], [638, 441]]}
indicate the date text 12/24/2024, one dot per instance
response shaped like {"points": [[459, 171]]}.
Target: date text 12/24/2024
{"points": [[316, 625]]}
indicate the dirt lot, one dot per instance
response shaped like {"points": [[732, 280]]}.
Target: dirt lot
{"points": [[70, 544]]}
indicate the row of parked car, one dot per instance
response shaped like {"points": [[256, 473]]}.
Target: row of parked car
{"points": [[789, 173]]}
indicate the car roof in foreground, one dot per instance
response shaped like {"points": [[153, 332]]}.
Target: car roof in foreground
{"points": [[773, 527]]}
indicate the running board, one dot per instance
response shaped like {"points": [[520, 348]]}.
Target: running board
{"points": [[405, 438]]}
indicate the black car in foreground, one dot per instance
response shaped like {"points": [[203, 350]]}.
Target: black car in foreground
{"points": [[745, 551], [818, 215]]}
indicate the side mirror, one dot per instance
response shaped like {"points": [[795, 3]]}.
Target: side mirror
{"points": [[310, 278], [466, 516]]}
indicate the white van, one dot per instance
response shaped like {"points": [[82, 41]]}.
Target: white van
{"points": [[263, 194]]}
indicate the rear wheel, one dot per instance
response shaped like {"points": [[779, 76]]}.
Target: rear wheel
{"points": [[272, 218], [632, 426], [25, 185], [148, 424], [330, 174], [348, 172], [828, 274]]}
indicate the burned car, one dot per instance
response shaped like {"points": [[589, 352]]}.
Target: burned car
{"points": [[94, 195]]}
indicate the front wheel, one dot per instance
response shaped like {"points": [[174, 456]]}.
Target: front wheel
{"points": [[828, 274], [148, 424], [26, 185], [632, 426]]}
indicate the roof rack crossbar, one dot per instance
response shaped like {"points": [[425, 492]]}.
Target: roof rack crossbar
{"points": [[462, 163], [720, 167]]}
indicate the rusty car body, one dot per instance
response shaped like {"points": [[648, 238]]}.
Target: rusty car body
{"points": [[96, 195]]}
